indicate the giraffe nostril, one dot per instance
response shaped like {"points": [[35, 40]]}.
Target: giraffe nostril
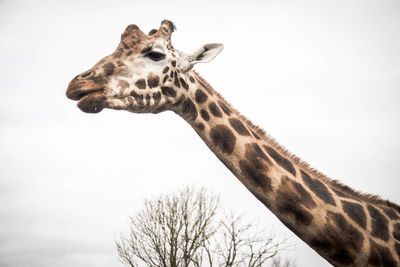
{"points": [[85, 74]]}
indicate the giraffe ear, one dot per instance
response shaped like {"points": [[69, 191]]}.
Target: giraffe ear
{"points": [[205, 54]]}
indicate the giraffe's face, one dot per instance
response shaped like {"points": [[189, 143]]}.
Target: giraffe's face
{"points": [[144, 75]]}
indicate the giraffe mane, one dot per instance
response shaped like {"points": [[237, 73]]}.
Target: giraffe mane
{"points": [[336, 185]]}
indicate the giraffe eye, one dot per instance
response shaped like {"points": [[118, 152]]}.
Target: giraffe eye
{"points": [[155, 56]]}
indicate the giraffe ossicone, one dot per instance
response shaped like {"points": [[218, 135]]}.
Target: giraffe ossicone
{"points": [[146, 74]]}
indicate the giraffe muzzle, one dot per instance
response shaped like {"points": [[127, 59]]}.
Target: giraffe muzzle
{"points": [[92, 102], [91, 97]]}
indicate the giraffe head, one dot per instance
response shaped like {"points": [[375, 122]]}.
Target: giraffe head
{"points": [[145, 74]]}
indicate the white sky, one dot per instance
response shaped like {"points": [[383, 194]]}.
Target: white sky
{"points": [[322, 77]]}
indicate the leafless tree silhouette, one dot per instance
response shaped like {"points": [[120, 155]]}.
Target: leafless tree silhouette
{"points": [[183, 230]]}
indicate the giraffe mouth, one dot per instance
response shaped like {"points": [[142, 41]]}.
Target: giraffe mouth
{"points": [[77, 95], [92, 101]]}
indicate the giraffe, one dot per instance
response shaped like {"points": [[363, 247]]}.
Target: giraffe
{"points": [[146, 74]]}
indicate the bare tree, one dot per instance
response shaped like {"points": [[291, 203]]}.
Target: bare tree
{"points": [[183, 230], [241, 244]]}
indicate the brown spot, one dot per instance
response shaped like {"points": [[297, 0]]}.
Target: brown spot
{"points": [[224, 108], [123, 84], [200, 96], [318, 188], [283, 162], [380, 256], [165, 78], [129, 53], [152, 80], [214, 110], [100, 80], [157, 98], [173, 63], [200, 126], [148, 100], [138, 97], [305, 197], [204, 114], [397, 248], [189, 108], [299, 203], [379, 224], [288, 204], [333, 246], [223, 138], [255, 166], [184, 84], [191, 79], [355, 212], [176, 80], [392, 214], [254, 152], [118, 52], [168, 91], [125, 45], [340, 240], [141, 84], [396, 231], [108, 68], [257, 177], [205, 87], [239, 126], [165, 70], [355, 238]]}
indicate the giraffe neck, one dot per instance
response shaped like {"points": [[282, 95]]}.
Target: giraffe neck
{"points": [[343, 226]]}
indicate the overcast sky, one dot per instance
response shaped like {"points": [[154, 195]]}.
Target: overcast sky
{"points": [[322, 77]]}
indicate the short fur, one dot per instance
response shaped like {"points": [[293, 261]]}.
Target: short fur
{"points": [[346, 190]]}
